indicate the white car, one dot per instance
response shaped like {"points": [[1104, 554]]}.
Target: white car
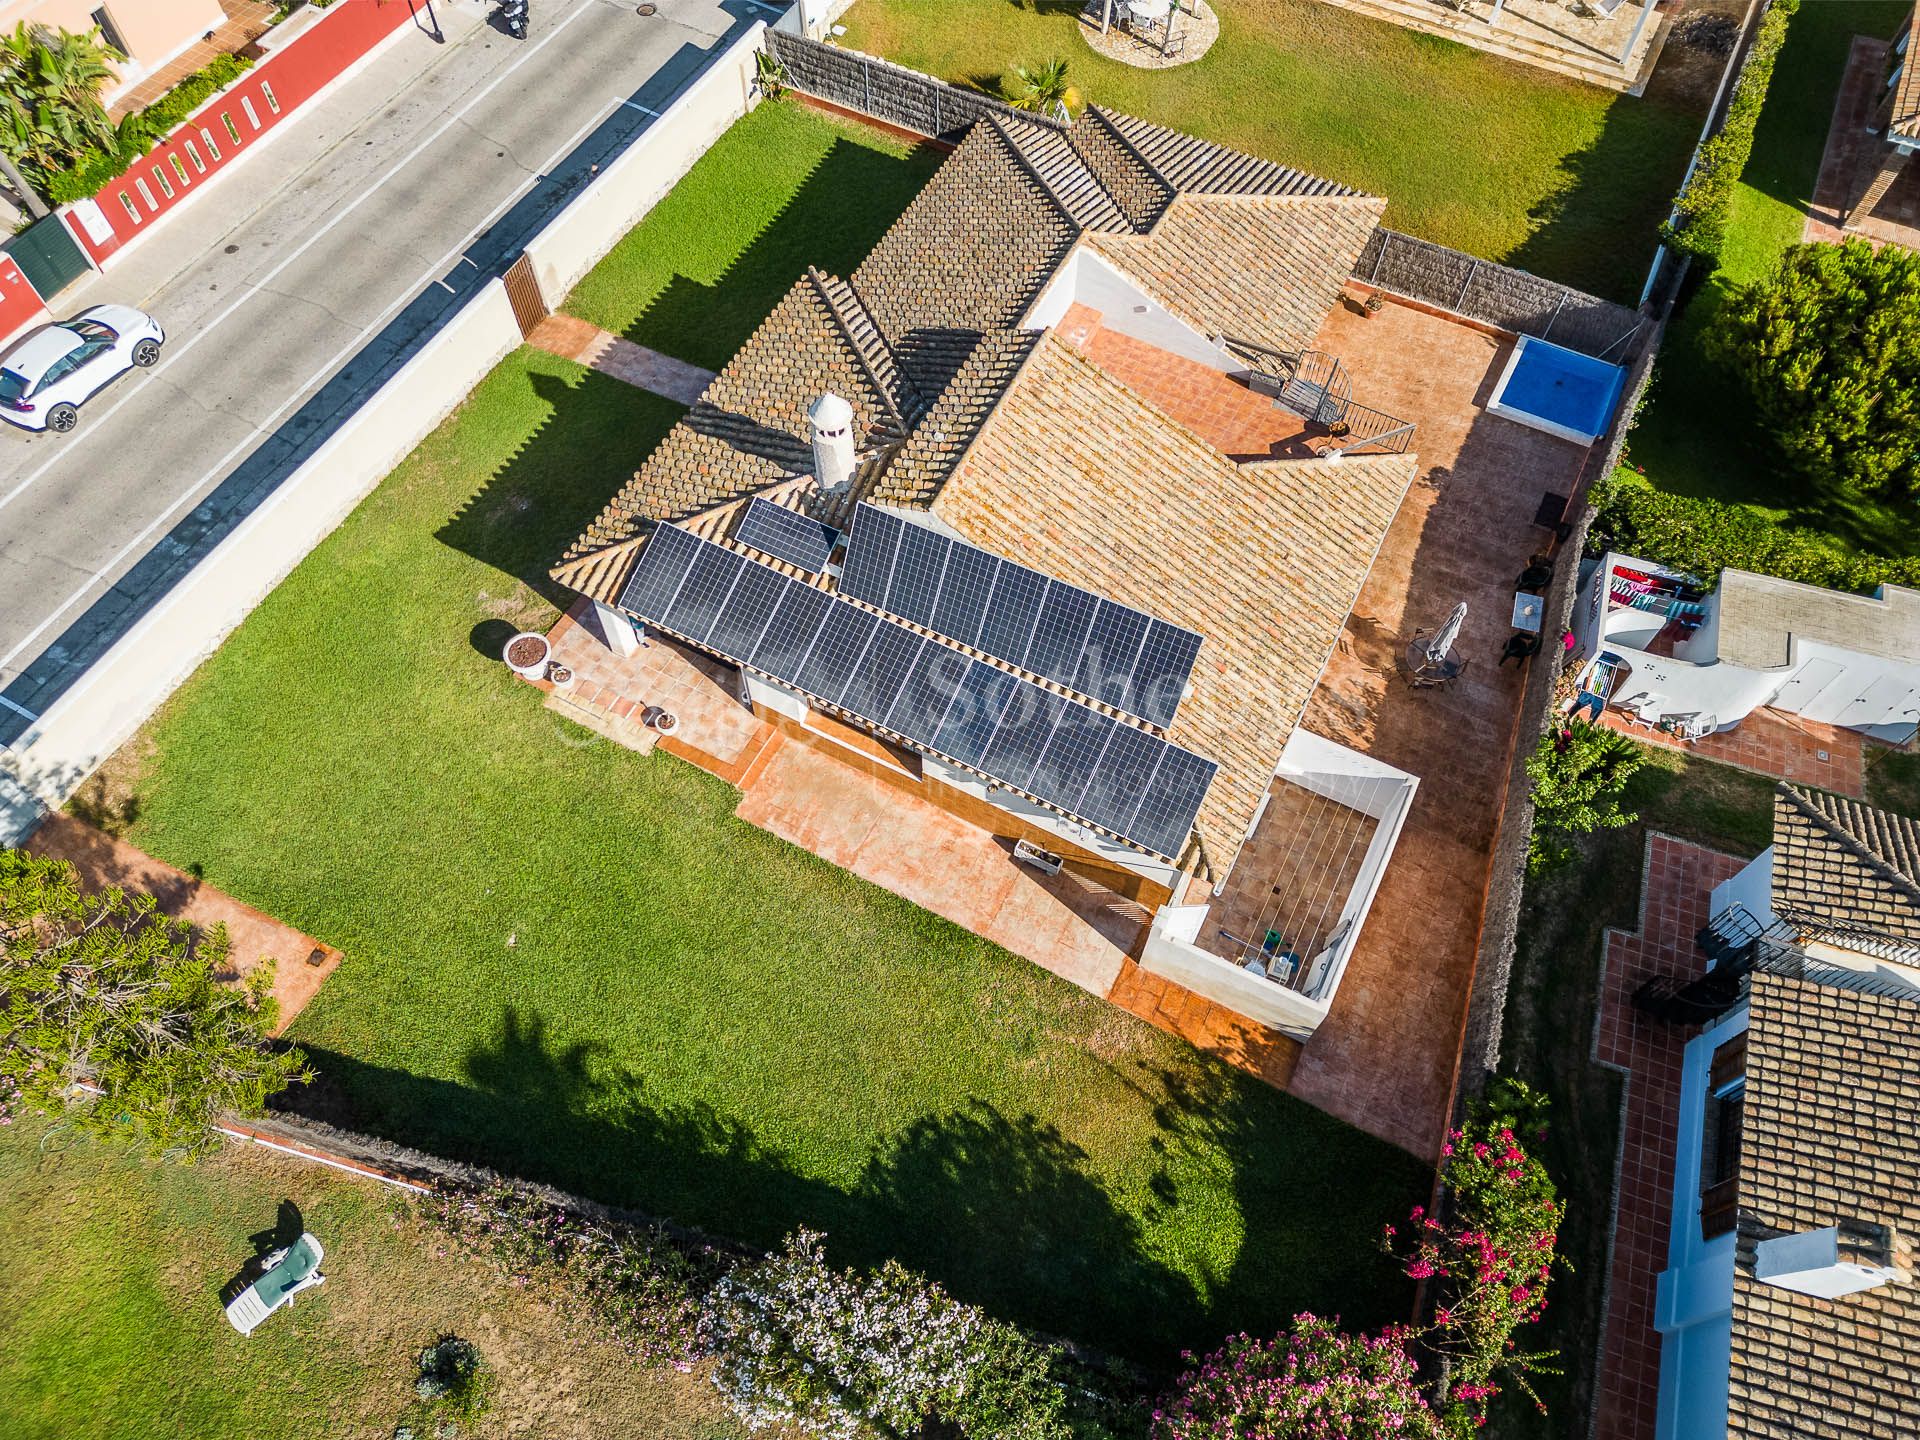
{"points": [[48, 375]]}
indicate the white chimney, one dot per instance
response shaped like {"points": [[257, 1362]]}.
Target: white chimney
{"points": [[831, 419], [1809, 1264]]}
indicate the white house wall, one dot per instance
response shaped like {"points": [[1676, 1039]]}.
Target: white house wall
{"points": [[1693, 1300], [1752, 889], [1090, 280], [1221, 981]]}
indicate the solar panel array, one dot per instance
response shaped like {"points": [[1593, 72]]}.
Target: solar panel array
{"points": [[1111, 774], [1118, 655], [786, 534]]}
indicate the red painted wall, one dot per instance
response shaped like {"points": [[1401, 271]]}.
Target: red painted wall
{"points": [[272, 90], [20, 303]]}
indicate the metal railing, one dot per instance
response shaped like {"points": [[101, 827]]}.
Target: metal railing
{"points": [[1313, 385]]}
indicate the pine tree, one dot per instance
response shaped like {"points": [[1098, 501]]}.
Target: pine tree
{"points": [[1828, 345], [112, 1014]]}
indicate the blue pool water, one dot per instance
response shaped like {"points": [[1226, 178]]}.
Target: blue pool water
{"points": [[1559, 390]]}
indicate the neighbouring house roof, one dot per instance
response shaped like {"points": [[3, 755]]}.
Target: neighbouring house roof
{"points": [[1064, 467], [1830, 1136], [1905, 120], [1264, 560], [1845, 866], [1761, 618]]}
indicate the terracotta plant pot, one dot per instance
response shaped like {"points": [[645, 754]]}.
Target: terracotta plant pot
{"points": [[527, 654]]}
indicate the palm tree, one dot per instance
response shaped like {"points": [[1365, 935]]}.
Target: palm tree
{"points": [[1042, 89], [50, 84]]}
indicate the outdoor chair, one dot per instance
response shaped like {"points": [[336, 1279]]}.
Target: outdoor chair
{"points": [[287, 1272], [1690, 728]]}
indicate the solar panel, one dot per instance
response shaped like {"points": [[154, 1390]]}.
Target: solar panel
{"points": [[1120, 656], [843, 640], [1116, 776], [786, 534], [751, 605]]}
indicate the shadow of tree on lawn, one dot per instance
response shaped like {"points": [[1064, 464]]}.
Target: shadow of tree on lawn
{"points": [[1004, 1209]]}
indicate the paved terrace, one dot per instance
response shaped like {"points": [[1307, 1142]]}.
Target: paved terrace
{"points": [[1852, 157], [1771, 742], [1385, 1057]]}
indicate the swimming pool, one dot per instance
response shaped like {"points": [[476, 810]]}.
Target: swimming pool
{"points": [[1560, 391]]}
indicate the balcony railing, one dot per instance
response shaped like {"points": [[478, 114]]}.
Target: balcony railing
{"points": [[1314, 385]]}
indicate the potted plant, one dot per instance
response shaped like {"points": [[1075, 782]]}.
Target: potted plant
{"points": [[527, 654], [661, 721], [560, 676]]}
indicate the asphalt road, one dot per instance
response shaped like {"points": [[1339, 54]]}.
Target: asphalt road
{"points": [[299, 285]]}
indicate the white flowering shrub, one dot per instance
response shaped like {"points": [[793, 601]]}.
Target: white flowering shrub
{"points": [[841, 1353]]}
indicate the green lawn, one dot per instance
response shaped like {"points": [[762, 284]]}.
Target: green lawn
{"points": [[785, 188], [1495, 158], [1549, 1029], [574, 962], [112, 1269], [1697, 435]]}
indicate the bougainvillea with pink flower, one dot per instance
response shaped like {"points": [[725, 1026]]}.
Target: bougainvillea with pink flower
{"points": [[1489, 1260], [1312, 1381]]}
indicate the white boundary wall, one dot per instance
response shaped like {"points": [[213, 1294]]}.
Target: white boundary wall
{"points": [[576, 239], [127, 684]]}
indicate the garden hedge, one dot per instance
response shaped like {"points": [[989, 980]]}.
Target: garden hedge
{"points": [[1699, 222], [1703, 537]]}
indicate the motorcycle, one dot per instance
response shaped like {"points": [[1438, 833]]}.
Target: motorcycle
{"points": [[513, 14]]}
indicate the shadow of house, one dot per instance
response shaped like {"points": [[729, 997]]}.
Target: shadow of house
{"points": [[532, 505], [845, 204]]}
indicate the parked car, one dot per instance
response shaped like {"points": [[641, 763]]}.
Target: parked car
{"points": [[47, 376]]}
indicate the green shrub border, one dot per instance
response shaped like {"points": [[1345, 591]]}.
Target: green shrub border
{"points": [[1698, 226], [1703, 537], [141, 131]]}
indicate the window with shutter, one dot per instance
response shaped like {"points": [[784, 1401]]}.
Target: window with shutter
{"points": [[1720, 1138]]}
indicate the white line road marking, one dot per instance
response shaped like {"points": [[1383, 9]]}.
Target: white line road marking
{"points": [[324, 373], [19, 709], [636, 105], [176, 351]]}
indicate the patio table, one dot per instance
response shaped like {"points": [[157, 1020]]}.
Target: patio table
{"points": [[1527, 610], [1149, 12]]}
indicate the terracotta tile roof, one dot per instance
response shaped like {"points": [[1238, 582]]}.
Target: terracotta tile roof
{"points": [[1263, 560], [967, 256], [749, 429], [1200, 167], [1844, 866], [1256, 269], [1830, 1136], [1137, 188], [922, 465]]}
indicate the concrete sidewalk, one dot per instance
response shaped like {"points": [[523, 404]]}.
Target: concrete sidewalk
{"points": [[299, 284]]}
